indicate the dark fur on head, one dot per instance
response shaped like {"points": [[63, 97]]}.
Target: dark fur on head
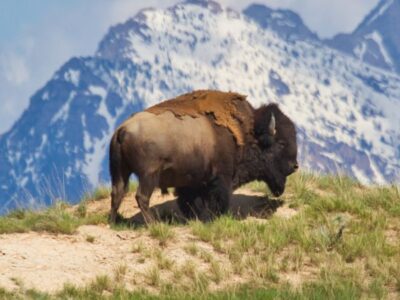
{"points": [[275, 156]]}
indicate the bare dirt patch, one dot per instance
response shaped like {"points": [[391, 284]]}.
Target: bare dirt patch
{"points": [[46, 262]]}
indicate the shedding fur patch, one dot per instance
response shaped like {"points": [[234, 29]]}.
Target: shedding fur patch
{"points": [[230, 110]]}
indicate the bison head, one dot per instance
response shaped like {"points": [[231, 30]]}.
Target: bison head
{"points": [[276, 136]]}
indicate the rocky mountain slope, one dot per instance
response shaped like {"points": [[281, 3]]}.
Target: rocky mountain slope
{"points": [[346, 111]]}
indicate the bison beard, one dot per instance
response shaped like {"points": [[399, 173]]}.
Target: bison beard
{"points": [[205, 144]]}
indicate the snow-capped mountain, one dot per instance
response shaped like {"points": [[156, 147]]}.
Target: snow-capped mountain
{"points": [[377, 39], [346, 111]]}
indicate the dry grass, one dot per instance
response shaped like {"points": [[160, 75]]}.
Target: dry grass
{"points": [[161, 231], [342, 243], [57, 219]]}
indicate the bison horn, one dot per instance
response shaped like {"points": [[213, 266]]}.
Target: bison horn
{"points": [[271, 126]]}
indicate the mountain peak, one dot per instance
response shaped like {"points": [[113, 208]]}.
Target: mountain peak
{"points": [[118, 40], [286, 23], [209, 4], [380, 11], [376, 40]]}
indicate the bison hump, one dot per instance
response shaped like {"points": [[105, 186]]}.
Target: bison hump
{"points": [[230, 110]]}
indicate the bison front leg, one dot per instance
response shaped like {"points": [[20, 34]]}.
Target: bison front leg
{"points": [[143, 194], [187, 202], [218, 196]]}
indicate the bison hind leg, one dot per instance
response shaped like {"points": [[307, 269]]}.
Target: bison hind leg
{"points": [[144, 191], [119, 188]]}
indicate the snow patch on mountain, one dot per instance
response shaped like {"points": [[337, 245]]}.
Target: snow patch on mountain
{"points": [[72, 76], [377, 38], [360, 50], [62, 114]]}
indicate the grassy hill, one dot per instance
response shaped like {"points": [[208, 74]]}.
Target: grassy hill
{"points": [[326, 238]]}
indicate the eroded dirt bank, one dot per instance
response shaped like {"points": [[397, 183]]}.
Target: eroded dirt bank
{"points": [[46, 262]]}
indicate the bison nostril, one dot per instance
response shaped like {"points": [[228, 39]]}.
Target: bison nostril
{"points": [[296, 166]]}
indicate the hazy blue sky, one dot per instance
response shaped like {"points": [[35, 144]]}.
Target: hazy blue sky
{"points": [[38, 36]]}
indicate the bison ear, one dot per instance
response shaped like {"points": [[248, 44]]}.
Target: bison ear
{"points": [[271, 125]]}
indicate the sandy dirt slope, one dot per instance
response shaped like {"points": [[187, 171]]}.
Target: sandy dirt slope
{"points": [[46, 261]]}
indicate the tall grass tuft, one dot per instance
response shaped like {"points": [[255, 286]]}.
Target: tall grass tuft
{"points": [[56, 219], [161, 231]]}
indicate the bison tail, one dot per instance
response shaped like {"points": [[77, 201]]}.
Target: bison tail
{"points": [[115, 157]]}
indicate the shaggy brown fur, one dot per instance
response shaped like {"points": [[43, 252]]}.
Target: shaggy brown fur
{"points": [[204, 144], [230, 110]]}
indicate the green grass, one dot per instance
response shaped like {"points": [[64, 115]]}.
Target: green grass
{"points": [[339, 223], [101, 192], [343, 243], [256, 186], [161, 231], [120, 272], [104, 191], [153, 276], [104, 288], [56, 219], [59, 218]]}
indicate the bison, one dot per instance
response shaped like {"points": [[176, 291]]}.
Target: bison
{"points": [[204, 144]]}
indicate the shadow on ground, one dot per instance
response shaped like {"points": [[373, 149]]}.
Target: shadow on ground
{"points": [[241, 207]]}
